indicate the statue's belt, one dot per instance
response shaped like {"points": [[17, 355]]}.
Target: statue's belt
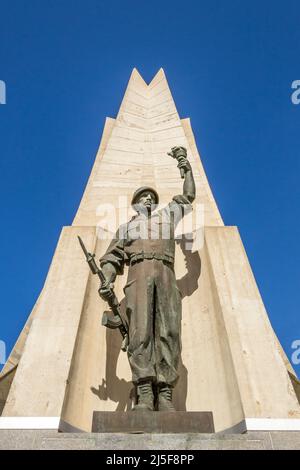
{"points": [[158, 256]]}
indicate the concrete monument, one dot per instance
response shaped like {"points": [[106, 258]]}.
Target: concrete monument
{"points": [[65, 365]]}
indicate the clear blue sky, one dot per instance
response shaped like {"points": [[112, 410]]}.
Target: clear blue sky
{"points": [[230, 65]]}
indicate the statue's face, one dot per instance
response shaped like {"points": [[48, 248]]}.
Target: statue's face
{"points": [[146, 200]]}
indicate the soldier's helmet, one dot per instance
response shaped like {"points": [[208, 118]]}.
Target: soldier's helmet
{"points": [[141, 190]]}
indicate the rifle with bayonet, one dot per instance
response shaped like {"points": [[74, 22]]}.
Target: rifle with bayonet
{"points": [[111, 319]]}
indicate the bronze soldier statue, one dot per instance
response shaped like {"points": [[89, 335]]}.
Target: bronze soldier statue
{"points": [[153, 302]]}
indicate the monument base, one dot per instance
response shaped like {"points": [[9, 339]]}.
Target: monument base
{"points": [[136, 422], [26, 439]]}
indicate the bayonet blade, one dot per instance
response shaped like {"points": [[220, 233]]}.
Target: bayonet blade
{"points": [[83, 247]]}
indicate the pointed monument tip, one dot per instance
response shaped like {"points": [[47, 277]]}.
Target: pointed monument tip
{"points": [[159, 76], [135, 72], [135, 75]]}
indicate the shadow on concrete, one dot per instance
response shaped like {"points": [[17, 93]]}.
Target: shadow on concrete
{"points": [[187, 285], [113, 388]]}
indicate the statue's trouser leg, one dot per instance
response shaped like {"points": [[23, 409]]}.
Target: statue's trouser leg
{"points": [[139, 292], [167, 326]]}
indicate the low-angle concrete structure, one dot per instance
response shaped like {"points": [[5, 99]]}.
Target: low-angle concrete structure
{"points": [[66, 365]]}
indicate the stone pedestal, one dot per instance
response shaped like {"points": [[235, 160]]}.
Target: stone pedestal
{"points": [[136, 422]]}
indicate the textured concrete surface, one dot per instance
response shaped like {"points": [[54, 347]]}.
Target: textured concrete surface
{"points": [[88, 441], [38, 388], [133, 153]]}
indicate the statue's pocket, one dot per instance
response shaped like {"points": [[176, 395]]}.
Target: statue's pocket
{"points": [[128, 284]]}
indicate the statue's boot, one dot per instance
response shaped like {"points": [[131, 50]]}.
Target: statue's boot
{"points": [[145, 397], [165, 398]]}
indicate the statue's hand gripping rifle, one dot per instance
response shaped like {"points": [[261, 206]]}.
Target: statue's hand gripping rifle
{"points": [[111, 319]]}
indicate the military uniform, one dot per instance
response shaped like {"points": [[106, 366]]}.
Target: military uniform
{"points": [[153, 301]]}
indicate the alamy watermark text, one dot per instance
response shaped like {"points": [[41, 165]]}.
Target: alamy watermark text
{"points": [[2, 92], [296, 354], [295, 96], [2, 352]]}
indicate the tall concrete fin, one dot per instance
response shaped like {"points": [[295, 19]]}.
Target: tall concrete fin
{"points": [[133, 152]]}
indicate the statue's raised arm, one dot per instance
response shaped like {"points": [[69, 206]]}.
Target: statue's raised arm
{"points": [[189, 188]]}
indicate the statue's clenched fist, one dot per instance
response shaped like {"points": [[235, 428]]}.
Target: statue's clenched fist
{"points": [[105, 291], [183, 164], [180, 154]]}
